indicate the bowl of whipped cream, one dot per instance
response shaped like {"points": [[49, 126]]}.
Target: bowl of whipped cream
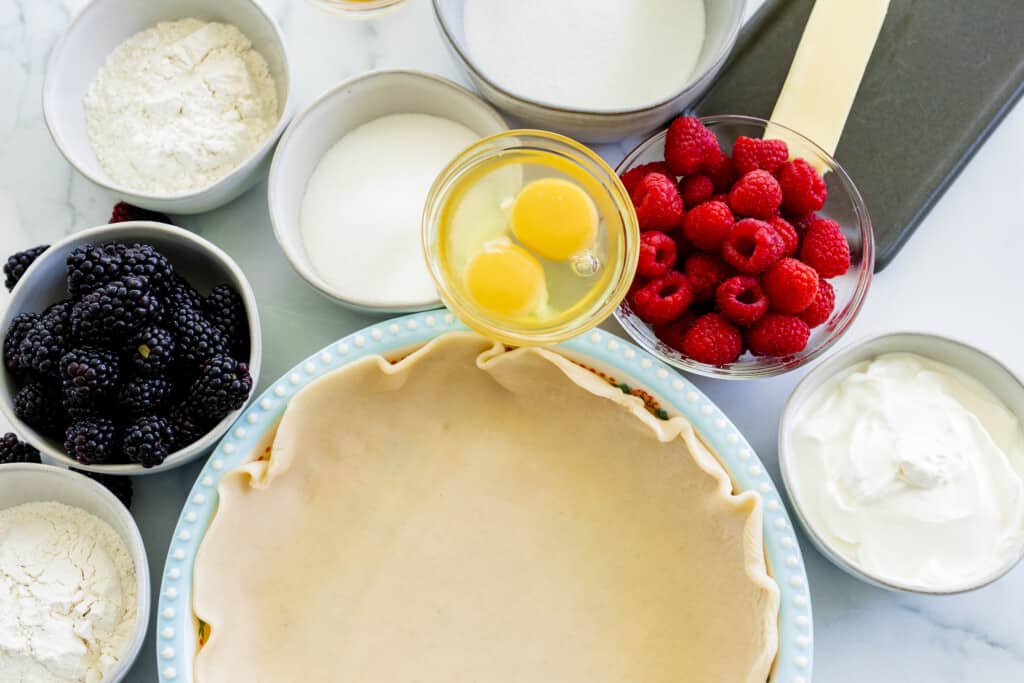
{"points": [[904, 459], [174, 105]]}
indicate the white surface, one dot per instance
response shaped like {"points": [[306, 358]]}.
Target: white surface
{"points": [[961, 274]]}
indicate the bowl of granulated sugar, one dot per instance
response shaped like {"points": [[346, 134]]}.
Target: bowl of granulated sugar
{"points": [[350, 180], [595, 70]]}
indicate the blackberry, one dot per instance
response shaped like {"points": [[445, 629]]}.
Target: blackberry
{"points": [[47, 340], [20, 326], [13, 449], [224, 308], [151, 351], [18, 263], [148, 441], [121, 487], [92, 440], [123, 211], [144, 395], [91, 266], [114, 311], [88, 374], [223, 385], [180, 294], [197, 338], [185, 428], [142, 260], [38, 405]]}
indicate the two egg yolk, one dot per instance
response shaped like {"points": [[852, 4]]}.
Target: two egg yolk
{"points": [[552, 218]]}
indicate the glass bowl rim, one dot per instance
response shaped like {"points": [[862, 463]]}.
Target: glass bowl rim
{"points": [[485, 149], [764, 367]]}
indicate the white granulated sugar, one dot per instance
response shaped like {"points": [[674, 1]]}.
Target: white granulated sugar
{"points": [[587, 54], [67, 595], [179, 106], [362, 211]]}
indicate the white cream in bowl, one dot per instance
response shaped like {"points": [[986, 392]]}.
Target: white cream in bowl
{"points": [[911, 470]]}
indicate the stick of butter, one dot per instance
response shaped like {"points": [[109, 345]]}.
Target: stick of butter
{"points": [[827, 70]]}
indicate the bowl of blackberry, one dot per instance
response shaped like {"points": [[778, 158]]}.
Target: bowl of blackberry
{"points": [[128, 348]]}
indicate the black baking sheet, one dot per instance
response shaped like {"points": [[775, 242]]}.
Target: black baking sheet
{"points": [[942, 76]]}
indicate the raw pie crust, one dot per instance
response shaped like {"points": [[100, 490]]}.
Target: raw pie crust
{"points": [[472, 514]]}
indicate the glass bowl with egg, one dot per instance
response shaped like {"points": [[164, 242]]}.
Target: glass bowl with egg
{"points": [[530, 237], [843, 205], [357, 9]]}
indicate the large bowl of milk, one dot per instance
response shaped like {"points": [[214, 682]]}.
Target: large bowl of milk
{"points": [[595, 70]]}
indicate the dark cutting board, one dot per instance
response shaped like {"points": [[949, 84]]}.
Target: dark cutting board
{"points": [[942, 76]]}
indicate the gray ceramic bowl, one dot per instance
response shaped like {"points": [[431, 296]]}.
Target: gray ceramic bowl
{"points": [[201, 262], [723, 24], [31, 483], [999, 379], [103, 25]]}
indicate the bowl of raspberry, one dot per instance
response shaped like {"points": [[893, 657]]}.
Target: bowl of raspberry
{"points": [[127, 349], [756, 248]]}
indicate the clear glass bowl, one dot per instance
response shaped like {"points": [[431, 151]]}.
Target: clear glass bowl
{"points": [[844, 205], [357, 9], [507, 153]]}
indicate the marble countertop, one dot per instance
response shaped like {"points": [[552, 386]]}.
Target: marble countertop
{"points": [[959, 275]]}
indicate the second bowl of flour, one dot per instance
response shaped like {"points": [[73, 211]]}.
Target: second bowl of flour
{"points": [[175, 106]]}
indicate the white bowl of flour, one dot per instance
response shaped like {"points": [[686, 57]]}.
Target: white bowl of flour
{"points": [[74, 568], [174, 105]]}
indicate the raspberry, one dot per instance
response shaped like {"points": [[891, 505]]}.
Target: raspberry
{"points": [[803, 189], [719, 168], [752, 246], [695, 190], [787, 233], [657, 201], [707, 225], [757, 194], [742, 300], [825, 248], [705, 272], [801, 221], [663, 299], [791, 285], [821, 308], [688, 145], [778, 334], [673, 333], [123, 211], [750, 154], [713, 340], [657, 254], [631, 178]]}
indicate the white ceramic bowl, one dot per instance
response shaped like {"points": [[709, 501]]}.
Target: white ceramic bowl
{"points": [[999, 379], [202, 263], [31, 483], [347, 106], [723, 25], [103, 25]]}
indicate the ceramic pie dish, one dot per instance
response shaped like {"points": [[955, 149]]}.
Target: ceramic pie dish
{"points": [[617, 362]]}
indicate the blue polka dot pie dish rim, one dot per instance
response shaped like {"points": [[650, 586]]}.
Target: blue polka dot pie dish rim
{"points": [[631, 367]]}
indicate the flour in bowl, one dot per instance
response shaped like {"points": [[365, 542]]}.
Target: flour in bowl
{"points": [[587, 54], [67, 595], [179, 106]]}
